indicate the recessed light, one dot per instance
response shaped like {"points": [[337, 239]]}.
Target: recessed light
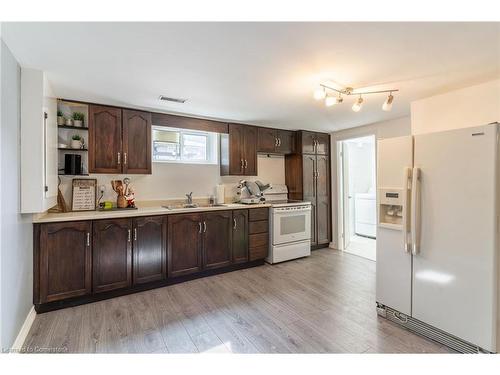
{"points": [[169, 99]]}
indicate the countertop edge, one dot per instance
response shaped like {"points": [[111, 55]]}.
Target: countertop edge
{"points": [[147, 211]]}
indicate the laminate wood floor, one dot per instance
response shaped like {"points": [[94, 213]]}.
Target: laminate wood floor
{"points": [[321, 304]]}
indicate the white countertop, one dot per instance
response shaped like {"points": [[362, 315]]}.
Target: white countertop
{"points": [[141, 211]]}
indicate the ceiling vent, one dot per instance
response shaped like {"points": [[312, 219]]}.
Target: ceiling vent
{"points": [[174, 100]]}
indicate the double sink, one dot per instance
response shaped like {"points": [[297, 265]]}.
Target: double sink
{"points": [[193, 205]]}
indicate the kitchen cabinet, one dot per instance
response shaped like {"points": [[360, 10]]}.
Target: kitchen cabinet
{"points": [[238, 151], [275, 141], [217, 239], [136, 142], [240, 236], [149, 249], [38, 143], [90, 260], [313, 143], [258, 237], [64, 261], [112, 254], [184, 244], [119, 140], [307, 176]]}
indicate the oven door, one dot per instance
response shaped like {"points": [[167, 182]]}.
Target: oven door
{"points": [[291, 224]]}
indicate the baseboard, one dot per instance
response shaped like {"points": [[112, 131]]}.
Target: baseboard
{"points": [[23, 332]]}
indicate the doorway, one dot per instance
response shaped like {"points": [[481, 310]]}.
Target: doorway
{"points": [[358, 196]]}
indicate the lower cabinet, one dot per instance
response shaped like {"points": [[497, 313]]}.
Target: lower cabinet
{"points": [[240, 236], [217, 239], [112, 254], [149, 249], [64, 261], [85, 258], [184, 244]]}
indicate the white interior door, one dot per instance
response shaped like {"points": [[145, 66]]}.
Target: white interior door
{"points": [[394, 156], [454, 284]]}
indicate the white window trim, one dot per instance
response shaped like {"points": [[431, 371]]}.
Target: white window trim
{"points": [[212, 146]]}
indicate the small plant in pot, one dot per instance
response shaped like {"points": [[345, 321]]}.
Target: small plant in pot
{"points": [[60, 118], [78, 119], [76, 141]]}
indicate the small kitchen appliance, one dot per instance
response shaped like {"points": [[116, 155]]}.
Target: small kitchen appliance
{"points": [[250, 192]]}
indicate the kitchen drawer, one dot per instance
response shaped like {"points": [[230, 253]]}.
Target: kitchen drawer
{"points": [[258, 227], [256, 214], [258, 252], [256, 240]]}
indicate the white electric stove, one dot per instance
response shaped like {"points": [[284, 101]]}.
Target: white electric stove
{"points": [[290, 222]]}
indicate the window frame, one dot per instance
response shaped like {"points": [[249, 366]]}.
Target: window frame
{"points": [[212, 146]]}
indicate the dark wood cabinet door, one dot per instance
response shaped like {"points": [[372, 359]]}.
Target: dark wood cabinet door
{"points": [[286, 142], [150, 249], [309, 175], [64, 260], [240, 236], [322, 143], [136, 142], [308, 142], [112, 254], [267, 140], [184, 244], [105, 139], [236, 149], [323, 212], [314, 221], [217, 239], [250, 151]]}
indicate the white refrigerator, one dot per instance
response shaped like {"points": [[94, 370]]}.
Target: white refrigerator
{"points": [[437, 235]]}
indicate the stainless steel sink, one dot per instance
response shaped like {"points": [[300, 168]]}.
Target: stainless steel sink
{"points": [[193, 205]]}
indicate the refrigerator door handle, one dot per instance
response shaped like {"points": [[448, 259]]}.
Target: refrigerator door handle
{"points": [[415, 211], [406, 213]]}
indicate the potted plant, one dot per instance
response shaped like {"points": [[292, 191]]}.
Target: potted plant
{"points": [[60, 118], [78, 119], [76, 141]]}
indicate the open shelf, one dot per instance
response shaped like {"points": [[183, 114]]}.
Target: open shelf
{"points": [[72, 149], [72, 127], [64, 174]]}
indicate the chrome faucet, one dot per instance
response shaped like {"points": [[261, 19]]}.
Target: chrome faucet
{"points": [[189, 198]]}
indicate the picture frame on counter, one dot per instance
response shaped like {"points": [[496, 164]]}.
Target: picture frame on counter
{"points": [[84, 194]]}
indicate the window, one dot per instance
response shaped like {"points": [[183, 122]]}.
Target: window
{"points": [[184, 146]]}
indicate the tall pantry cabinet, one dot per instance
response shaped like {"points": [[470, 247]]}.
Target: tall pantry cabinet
{"points": [[307, 175]]}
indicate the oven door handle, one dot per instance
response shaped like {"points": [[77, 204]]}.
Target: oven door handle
{"points": [[281, 212]]}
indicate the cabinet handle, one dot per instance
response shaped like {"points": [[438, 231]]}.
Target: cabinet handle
{"points": [[204, 227], [246, 163], [124, 158], [234, 223], [88, 239], [135, 234], [119, 158], [275, 141], [128, 236], [199, 224], [279, 142], [242, 163]]}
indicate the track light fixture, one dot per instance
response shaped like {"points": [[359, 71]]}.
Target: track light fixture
{"points": [[321, 93]]}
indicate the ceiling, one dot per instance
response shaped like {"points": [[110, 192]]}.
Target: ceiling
{"points": [[258, 73]]}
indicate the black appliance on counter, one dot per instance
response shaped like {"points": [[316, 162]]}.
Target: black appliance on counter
{"points": [[72, 164]]}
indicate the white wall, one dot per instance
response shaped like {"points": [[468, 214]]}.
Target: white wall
{"points": [[385, 129], [16, 234], [472, 106], [174, 180]]}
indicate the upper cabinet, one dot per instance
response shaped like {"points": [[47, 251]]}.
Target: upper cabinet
{"points": [[38, 143], [313, 143], [119, 140], [275, 141], [238, 151]]}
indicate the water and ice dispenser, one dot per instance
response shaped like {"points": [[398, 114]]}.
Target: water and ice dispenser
{"points": [[391, 208]]}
